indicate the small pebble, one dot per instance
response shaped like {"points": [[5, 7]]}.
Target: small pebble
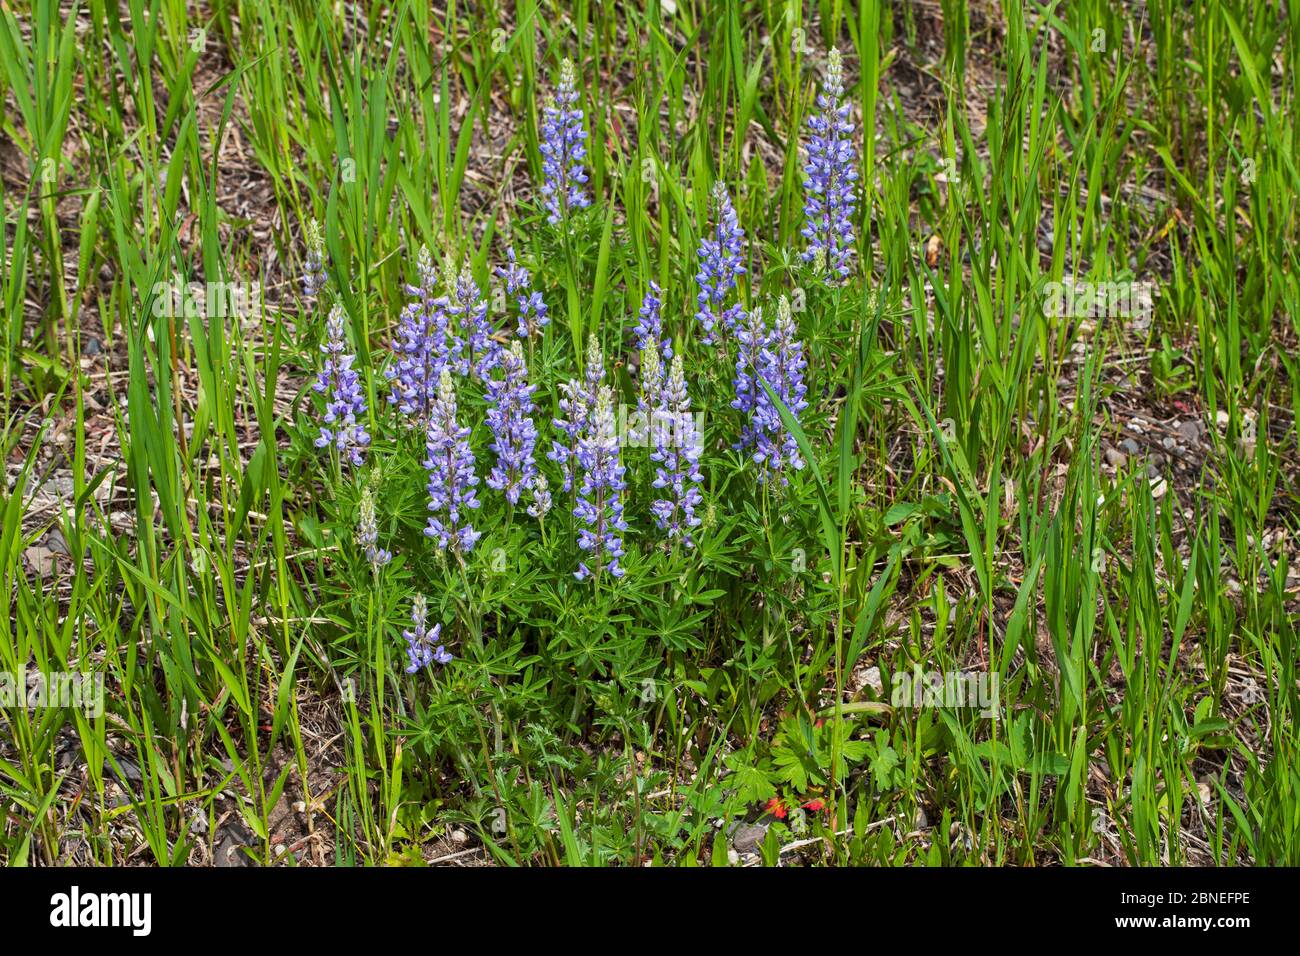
{"points": [[747, 836], [873, 679]]}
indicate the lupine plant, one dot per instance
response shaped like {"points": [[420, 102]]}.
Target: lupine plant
{"points": [[649, 330], [678, 444], [450, 465], [510, 408], [781, 364], [600, 497], [750, 399], [721, 263], [470, 310], [831, 178], [368, 533], [648, 397], [447, 371], [532, 307], [422, 645], [314, 275], [578, 404], [637, 491], [564, 149], [421, 348], [342, 427]]}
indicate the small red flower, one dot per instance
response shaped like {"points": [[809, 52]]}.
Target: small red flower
{"points": [[776, 808], [815, 805]]}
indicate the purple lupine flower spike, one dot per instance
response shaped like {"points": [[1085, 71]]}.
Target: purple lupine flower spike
{"points": [[314, 275], [514, 436], [532, 308], [720, 253], [457, 360], [600, 503], [776, 357], [471, 309], [368, 533], [541, 496], [577, 402], [650, 328], [563, 148], [420, 345], [345, 403], [830, 178], [783, 365], [750, 397], [450, 465], [571, 425], [677, 444], [422, 647], [647, 402]]}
